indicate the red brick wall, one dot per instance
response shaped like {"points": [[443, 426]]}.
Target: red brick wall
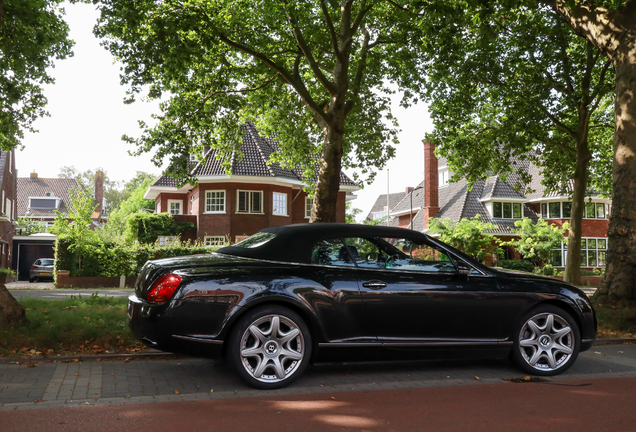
{"points": [[589, 227], [232, 224]]}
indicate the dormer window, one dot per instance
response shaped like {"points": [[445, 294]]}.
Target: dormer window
{"points": [[507, 210], [45, 203], [444, 176]]}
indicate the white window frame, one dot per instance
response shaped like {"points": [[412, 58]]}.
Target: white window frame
{"points": [[491, 208], [309, 203], [249, 201], [443, 177], [279, 199], [564, 252], [174, 201], [214, 241], [208, 194]]}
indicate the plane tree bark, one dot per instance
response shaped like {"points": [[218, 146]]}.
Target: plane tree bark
{"points": [[611, 26]]}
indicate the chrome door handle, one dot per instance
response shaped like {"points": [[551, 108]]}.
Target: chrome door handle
{"points": [[374, 284]]}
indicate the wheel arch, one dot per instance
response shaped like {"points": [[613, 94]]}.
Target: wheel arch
{"points": [[301, 309]]}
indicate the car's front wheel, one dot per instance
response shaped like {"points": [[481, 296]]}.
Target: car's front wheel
{"points": [[547, 342], [269, 347]]}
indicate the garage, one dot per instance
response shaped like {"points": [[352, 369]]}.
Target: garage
{"points": [[27, 249]]}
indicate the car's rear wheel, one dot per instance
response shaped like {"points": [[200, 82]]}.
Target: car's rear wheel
{"points": [[547, 342], [269, 347]]}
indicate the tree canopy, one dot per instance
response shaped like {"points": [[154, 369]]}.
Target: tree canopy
{"points": [[32, 35], [311, 74], [507, 84]]}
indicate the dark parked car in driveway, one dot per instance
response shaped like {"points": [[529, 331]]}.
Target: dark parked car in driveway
{"points": [[293, 294], [42, 268]]}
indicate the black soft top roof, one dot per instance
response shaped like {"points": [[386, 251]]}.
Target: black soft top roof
{"points": [[294, 243]]}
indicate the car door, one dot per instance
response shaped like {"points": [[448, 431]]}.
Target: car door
{"points": [[414, 294], [338, 304]]}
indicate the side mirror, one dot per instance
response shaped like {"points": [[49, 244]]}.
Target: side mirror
{"points": [[463, 268]]}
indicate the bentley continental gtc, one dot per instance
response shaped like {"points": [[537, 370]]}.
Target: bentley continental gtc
{"points": [[290, 295]]}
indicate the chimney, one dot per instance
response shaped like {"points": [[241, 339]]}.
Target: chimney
{"points": [[99, 191], [34, 176], [431, 183], [409, 189]]}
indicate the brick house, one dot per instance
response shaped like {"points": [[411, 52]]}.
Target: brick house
{"points": [[8, 213], [256, 195], [496, 201]]}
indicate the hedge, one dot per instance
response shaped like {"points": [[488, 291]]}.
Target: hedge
{"points": [[521, 265], [99, 259]]}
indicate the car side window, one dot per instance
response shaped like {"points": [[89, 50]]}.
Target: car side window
{"points": [[400, 254], [333, 252], [37, 262]]}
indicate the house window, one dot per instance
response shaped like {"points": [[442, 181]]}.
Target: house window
{"points": [[279, 204], [443, 177], [593, 253], [506, 210], [214, 241], [44, 203], [215, 201], [249, 202], [309, 203], [157, 208], [175, 207], [558, 210], [555, 209]]}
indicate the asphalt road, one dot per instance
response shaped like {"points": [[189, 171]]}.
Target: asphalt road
{"points": [[585, 405]]}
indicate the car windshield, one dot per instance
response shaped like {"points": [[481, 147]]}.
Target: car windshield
{"points": [[47, 262], [258, 239]]}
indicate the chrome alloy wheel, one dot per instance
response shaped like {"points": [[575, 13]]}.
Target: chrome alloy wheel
{"points": [[272, 348], [546, 342]]}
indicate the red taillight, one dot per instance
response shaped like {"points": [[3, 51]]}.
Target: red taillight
{"points": [[163, 289]]}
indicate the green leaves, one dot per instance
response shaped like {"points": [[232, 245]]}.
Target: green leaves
{"points": [[467, 235], [310, 74], [536, 240], [32, 35]]}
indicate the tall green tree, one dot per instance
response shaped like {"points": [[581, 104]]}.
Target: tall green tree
{"points": [[611, 26], [517, 83], [32, 35], [311, 73], [112, 192], [116, 226]]}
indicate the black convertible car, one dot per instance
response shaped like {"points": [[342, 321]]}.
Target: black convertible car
{"points": [[293, 294]]}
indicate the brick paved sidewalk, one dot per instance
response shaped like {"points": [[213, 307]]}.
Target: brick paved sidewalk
{"points": [[113, 382]]}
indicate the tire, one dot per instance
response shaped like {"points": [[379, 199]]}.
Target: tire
{"points": [[269, 347], [547, 341], [31, 280]]}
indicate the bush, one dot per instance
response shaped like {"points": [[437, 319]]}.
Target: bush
{"points": [[521, 265], [100, 259]]}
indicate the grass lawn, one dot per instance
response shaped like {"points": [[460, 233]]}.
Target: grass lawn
{"points": [[86, 325], [77, 325]]}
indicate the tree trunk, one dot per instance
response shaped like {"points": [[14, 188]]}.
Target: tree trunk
{"points": [[326, 198], [572, 272], [619, 282], [11, 312]]}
